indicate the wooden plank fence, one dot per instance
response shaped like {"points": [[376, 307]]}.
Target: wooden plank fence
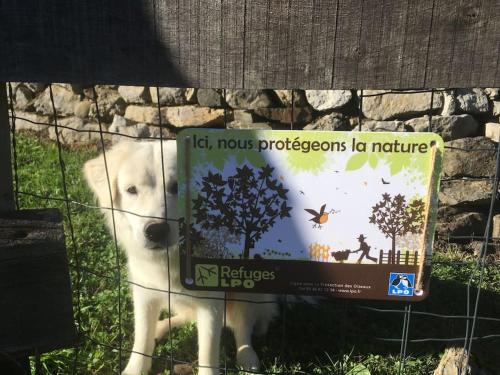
{"points": [[398, 257], [320, 44]]}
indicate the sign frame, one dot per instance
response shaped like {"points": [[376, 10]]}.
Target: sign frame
{"points": [[396, 275]]}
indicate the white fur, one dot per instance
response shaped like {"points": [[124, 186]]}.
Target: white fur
{"points": [[139, 164]]}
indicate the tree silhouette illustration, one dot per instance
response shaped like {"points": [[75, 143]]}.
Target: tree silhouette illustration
{"points": [[247, 203], [395, 217]]}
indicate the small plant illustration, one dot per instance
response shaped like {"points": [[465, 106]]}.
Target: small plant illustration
{"points": [[319, 252], [207, 274], [270, 253], [247, 203], [395, 217]]}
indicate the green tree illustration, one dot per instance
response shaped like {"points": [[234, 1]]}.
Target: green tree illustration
{"points": [[395, 217], [247, 203]]}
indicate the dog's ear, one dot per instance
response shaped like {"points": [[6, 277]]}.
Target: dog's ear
{"points": [[95, 173]]}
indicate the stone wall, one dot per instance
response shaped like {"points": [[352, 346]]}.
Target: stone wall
{"points": [[467, 119]]}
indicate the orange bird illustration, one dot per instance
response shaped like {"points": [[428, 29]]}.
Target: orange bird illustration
{"points": [[321, 217]]}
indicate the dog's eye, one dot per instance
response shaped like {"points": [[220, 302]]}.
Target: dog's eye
{"points": [[132, 190], [172, 188]]}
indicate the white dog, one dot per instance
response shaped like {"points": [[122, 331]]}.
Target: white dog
{"points": [[134, 182]]}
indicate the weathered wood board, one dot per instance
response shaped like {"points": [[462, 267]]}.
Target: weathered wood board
{"points": [[6, 191], [317, 44], [35, 294]]}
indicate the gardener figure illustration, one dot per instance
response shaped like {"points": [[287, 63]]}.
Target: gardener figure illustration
{"points": [[365, 250]]}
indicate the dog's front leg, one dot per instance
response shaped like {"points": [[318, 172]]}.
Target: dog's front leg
{"points": [[146, 313], [209, 321]]}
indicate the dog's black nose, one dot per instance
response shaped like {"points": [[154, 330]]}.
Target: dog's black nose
{"points": [[157, 232]]}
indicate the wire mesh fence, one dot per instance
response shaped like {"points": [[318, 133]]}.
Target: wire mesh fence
{"points": [[462, 309]]}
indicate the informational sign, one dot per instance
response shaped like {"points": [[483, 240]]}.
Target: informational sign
{"points": [[346, 214]]}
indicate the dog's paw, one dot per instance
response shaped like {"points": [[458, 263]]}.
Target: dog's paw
{"points": [[208, 371], [129, 372], [132, 371], [247, 359], [137, 365]]}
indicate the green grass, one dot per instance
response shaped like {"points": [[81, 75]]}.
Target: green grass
{"points": [[336, 337]]}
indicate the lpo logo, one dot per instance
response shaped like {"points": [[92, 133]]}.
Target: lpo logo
{"points": [[401, 284]]}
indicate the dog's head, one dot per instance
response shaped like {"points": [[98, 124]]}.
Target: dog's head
{"points": [[133, 178]]}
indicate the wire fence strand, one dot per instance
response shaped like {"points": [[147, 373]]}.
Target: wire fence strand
{"points": [[409, 313], [480, 267], [113, 223], [70, 225]]}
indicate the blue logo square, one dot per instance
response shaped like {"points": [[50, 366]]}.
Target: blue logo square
{"points": [[401, 284]]}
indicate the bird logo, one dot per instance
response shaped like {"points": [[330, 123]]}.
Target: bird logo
{"points": [[403, 281], [321, 217], [401, 284]]}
